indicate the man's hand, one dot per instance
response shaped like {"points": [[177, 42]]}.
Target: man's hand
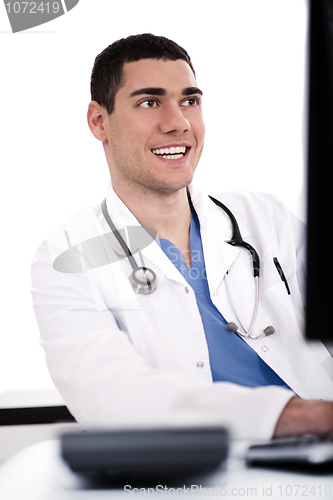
{"points": [[301, 416]]}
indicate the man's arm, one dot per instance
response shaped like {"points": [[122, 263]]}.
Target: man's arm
{"points": [[102, 374], [301, 416], [105, 380]]}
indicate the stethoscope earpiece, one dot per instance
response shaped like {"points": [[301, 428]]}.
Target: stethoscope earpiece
{"points": [[269, 330], [232, 327]]}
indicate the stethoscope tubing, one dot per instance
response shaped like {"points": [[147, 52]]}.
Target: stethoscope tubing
{"points": [[237, 240], [118, 236], [143, 279], [247, 332]]}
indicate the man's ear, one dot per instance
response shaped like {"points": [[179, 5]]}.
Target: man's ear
{"points": [[97, 120]]}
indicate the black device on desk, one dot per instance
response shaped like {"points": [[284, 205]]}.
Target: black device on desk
{"points": [[140, 454], [308, 450]]}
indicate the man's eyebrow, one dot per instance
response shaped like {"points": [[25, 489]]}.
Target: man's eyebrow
{"points": [[191, 91], [149, 91], [160, 91]]}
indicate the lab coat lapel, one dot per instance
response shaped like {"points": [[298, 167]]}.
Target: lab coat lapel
{"points": [[155, 256]]}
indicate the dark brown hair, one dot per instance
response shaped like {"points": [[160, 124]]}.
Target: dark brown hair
{"points": [[107, 73]]}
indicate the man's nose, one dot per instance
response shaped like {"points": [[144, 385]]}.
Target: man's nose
{"points": [[173, 121]]}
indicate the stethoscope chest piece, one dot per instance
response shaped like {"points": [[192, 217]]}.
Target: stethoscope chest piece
{"points": [[143, 280]]}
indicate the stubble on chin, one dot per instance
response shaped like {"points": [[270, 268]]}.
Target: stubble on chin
{"points": [[125, 173]]}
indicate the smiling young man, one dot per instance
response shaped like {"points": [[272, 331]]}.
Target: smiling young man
{"points": [[153, 141], [163, 358]]}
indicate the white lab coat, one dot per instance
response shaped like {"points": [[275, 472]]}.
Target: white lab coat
{"points": [[119, 358]]}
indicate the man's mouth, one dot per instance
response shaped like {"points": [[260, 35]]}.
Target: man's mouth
{"points": [[172, 153]]}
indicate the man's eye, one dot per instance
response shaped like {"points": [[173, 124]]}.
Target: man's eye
{"points": [[194, 101], [148, 103]]}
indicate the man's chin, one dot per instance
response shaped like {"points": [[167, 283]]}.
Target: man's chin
{"points": [[171, 188]]}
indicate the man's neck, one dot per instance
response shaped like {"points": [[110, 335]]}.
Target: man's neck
{"points": [[168, 213]]}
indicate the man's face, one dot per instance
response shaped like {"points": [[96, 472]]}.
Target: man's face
{"points": [[156, 132]]}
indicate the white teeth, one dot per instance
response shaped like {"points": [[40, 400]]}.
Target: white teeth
{"points": [[172, 157], [170, 151]]}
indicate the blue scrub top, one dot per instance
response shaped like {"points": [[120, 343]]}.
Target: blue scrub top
{"points": [[231, 359]]}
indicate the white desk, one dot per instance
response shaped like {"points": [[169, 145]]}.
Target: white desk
{"points": [[38, 473]]}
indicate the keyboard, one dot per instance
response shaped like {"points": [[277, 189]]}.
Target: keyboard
{"points": [[311, 450]]}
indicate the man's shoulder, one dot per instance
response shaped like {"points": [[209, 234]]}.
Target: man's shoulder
{"points": [[81, 225], [86, 216], [244, 198], [247, 203], [264, 213]]}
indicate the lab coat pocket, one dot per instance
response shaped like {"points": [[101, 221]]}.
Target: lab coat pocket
{"points": [[284, 305], [280, 293]]}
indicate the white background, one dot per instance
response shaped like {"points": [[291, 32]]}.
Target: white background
{"points": [[249, 56]]}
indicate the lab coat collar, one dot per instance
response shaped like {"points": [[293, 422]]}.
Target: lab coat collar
{"points": [[215, 228]]}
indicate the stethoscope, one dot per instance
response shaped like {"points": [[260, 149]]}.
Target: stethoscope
{"points": [[237, 241], [143, 279]]}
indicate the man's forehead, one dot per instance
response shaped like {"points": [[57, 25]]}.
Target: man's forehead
{"points": [[157, 73]]}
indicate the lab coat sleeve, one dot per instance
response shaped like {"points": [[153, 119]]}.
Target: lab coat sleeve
{"points": [[105, 381]]}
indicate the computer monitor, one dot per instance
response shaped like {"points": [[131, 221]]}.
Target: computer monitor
{"points": [[319, 303]]}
